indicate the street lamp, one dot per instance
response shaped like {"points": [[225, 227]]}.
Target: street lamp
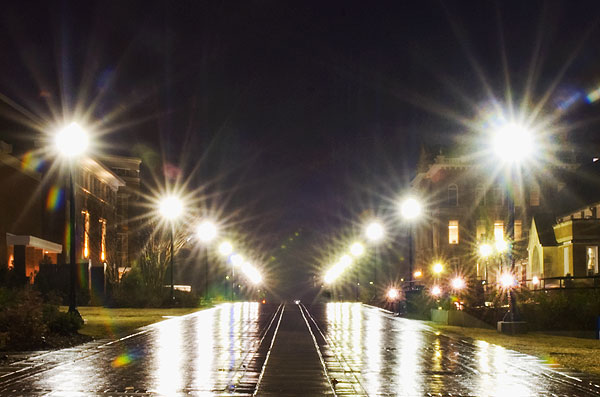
{"points": [[171, 208], [72, 141], [438, 268], [512, 144], [410, 209], [225, 249], [357, 250], [206, 232], [374, 231]]}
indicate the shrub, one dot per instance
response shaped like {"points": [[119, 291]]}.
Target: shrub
{"points": [[22, 321]]}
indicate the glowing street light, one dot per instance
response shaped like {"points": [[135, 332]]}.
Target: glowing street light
{"points": [[417, 274], [501, 245], [535, 280], [507, 281], [436, 290], [237, 260], [512, 142], [225, 248], [458, 283], [71, 141], [410, 208], [485, 250], [206, 231], [393, 294], [375, 231], [252, 273], [357, 249], [438, 268], [171, 208]]}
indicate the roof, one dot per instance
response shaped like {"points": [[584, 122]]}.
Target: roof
{"points": [[32, 241], [545, 231]]}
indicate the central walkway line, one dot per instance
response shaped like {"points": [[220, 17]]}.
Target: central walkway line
{"points": [[294, 367]]}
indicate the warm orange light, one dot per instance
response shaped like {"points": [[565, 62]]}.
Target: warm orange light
{"points": [[418, 274], [264, 301]]}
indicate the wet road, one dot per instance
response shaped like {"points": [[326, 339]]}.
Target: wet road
{"points": [[277, 350]]}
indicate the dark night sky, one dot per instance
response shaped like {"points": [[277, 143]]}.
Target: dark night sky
{"points": [[297, 114]]}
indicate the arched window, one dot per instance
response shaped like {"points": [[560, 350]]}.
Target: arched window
{"points": [[452, 195]]}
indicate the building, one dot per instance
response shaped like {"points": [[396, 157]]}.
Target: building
{"points": [[23, 244], [467, 204]]}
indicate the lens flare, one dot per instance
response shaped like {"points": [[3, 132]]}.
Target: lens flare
{"points": [[54, 199], [72, 140]]}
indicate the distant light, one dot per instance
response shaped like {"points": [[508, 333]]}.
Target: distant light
{"points": [[485, 250], [436, 291], [458, 283], [438, 268], [357, 249], [171, 207], [264, 301], [71, 140], [370, 282], [393, 294], [507, 280], [337, 269], [225, 248], [417, 274], [206, 231], [501, 245], [535, 280], [375, 231], [512, 142], [251, 273], [237, 260], [410, 208], [297, 301]]}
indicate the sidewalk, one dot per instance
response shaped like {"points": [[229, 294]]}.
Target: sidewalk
{"points": [[582, 355]]}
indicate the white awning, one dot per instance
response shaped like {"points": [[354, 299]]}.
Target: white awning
{"points": [[35, 242]]}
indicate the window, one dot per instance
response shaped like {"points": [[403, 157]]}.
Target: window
{"points": [[86, 234], [480, 231], [534, 196], [518, 229], [103, 240], [498, 231], [592, 260], [566, 264], [453, 232], [453, 195]]}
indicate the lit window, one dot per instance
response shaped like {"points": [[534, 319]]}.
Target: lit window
{"points": [[103, 240], [453, 196], [592, 260], [498, 230], [518, 230], [86, 234], [453, 232]]}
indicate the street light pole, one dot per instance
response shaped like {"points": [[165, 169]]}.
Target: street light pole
{"points": [[172, 266], [72, 245]]}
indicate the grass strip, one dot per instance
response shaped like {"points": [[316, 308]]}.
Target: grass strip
{"points": [[101, 322], [581, 355]]}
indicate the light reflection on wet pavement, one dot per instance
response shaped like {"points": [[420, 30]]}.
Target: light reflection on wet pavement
{"points": [[333, 349]]}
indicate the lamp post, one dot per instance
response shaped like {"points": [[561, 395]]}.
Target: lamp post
{"points": [[410, 209], [375, 233], [512, 143], [171, 208], [225, 249], [357, 250], [206, 231], [72, 141]]}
